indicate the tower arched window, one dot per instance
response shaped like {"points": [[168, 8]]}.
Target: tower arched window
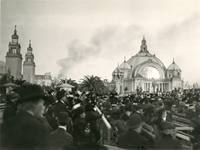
{"points": [[14, 50]]}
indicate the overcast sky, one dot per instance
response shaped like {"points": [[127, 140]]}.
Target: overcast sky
{"points": [[90, 37]]}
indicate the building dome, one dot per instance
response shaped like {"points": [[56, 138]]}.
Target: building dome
{"points": [[174, 66], [15, 36], [118, 70], [140, 58], [125, 65], [146, 63]]}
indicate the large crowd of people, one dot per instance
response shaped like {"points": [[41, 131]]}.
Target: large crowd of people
{"points": [[61, 120]]}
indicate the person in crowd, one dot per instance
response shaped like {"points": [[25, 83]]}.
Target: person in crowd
{"points": [[61, 106], [118, 123], [190, 113], [168, 140], [107, 111], [82, 97], [148, 115], [24, 131], [60, 138], [44, 121], [161, 116], [168, 107], [128, 111], [51, 119], [132, 139], [81, 134], [195, 123], [139, 110], [11, 106], [91, 118]]}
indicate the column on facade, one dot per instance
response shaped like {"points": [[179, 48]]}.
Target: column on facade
{"points": [[149, 88], [163, 87], [132, 86], [146, 86]]}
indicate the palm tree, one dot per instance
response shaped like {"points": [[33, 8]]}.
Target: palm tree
{"points": [[92, 83]]}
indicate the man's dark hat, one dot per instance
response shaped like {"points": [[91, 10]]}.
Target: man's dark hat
{"points": [[63, 118], [89, 107], [31, 93], [60, 94], [116, 111], [11, 96], [128, 108], [79, 110], [166, 125], [134, 122]]}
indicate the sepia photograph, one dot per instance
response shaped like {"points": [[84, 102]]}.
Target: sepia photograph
{"points": [[100, 74]]}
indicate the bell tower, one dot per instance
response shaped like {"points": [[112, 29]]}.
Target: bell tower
{"points": [[29, 65], [14, 56]]}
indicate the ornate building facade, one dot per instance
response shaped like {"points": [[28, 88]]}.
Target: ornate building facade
{"points": [[145, 72], [13, 64]]}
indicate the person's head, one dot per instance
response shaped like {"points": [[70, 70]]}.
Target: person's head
{"points": [[61, 96], [108, 106], [161, 112], [32, 99], [116, 114], [12, 97], [135, 123], [128, 109], [139, 108], [168, 128], [80, 112], [63, 118], [89, 107]]}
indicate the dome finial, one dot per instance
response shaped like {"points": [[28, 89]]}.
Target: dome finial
{"points": [[173, 61], [29, 43], [124, 58], [15, 31]]}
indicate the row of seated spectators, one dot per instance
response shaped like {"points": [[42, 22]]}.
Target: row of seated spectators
{"points": [[157, 113]]}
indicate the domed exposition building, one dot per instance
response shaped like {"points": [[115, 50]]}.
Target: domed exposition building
{"points": [[145, 72]]}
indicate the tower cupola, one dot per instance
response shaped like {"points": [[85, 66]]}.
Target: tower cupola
{"points": [[15, 37], [143, 47]]}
